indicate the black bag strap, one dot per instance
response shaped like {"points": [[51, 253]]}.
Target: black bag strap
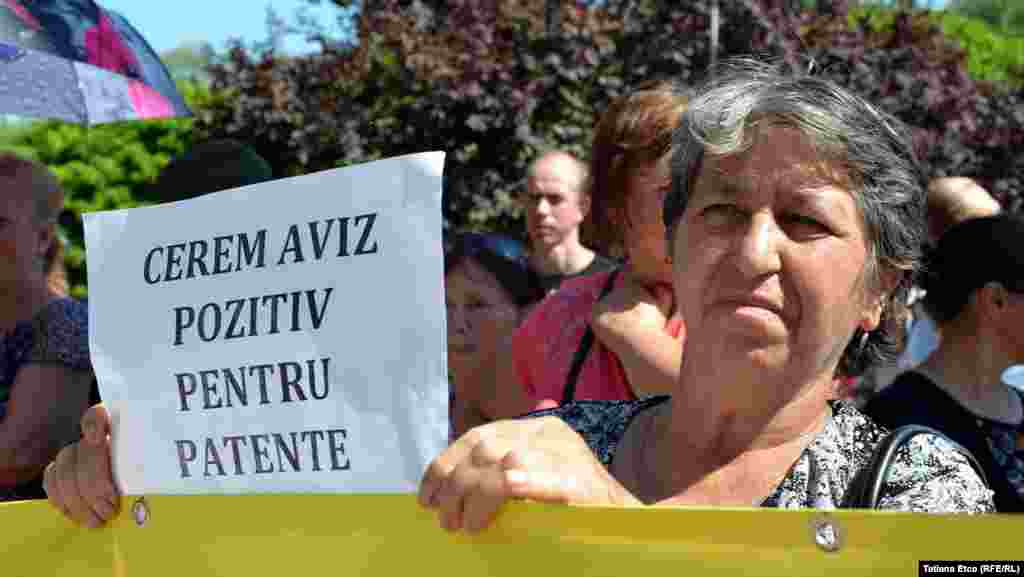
{"points": [[569, 391], [866, 488]]}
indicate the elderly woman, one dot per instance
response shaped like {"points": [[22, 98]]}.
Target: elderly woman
{"points": [[796, 212], [45, 374], [979, 305]]}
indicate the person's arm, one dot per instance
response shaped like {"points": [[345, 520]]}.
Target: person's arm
{"points": [[42, 416], [540, 459], [631, 321]]}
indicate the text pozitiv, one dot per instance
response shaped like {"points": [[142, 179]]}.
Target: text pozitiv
{"points": [[253, 316]]}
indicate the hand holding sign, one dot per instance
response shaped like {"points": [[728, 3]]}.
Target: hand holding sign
{"points": [[540, 459], [79, 481]]}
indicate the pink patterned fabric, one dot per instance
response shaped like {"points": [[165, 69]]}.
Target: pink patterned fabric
{"points": [[545, 343], [148, 103], [21, 12], [105, 49]]}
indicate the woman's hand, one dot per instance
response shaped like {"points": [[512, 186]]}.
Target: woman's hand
{"points": [[641, 325], [79, 482], [633, 305], [541, 459]]}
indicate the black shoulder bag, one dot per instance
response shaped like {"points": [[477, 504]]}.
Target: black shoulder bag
{"points": [[569, 391], [866, 487]]}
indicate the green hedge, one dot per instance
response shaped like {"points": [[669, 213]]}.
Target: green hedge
{"points": [[991, 55], [102, 167]]}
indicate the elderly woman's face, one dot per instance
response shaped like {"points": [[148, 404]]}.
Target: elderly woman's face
{"points": [[22, 237], [770, 259]]}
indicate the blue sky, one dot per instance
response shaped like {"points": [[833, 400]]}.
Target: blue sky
{"points": [[169, 23]]}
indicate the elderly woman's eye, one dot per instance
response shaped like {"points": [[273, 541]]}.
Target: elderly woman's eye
{"points": [[719, 214], [806, 223]]}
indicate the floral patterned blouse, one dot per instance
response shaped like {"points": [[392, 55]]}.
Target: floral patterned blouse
{"points": [[58, 334], [928, 474]]}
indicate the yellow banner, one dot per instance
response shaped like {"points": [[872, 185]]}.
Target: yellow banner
{"points": [[389, 535]]}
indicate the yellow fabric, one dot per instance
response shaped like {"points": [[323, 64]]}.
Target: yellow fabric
{"points": [[389, 535]]}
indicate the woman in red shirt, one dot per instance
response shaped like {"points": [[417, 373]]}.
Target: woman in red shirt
{"points": [[634, 347]]}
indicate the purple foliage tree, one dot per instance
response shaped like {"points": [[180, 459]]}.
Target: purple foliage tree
{"points": [[485, 82]]}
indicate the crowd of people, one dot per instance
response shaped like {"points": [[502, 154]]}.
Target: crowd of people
{"points": [[750, 285]]}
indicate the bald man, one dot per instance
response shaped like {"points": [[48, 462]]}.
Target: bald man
{"points": [[555, 202], [952, 200]]}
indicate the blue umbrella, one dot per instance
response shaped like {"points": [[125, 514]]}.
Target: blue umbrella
{"points": [[72, 60]]}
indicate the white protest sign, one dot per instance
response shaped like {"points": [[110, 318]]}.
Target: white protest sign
{"points": [[282, 337]]}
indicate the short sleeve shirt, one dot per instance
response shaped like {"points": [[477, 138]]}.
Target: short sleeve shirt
{"points": [[546, 342], [600, 264], [58, 334]]}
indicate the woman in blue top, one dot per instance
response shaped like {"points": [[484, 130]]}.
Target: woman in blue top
{"points": [[975, 293], [45, 375]]}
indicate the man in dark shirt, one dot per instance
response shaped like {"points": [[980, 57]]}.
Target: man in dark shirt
{"points": [[556, 202]]}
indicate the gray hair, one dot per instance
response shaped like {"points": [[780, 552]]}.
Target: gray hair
{"points": [[871, 148]]}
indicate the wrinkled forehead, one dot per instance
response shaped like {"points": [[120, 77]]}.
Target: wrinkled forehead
{"points": [[778, 158]]}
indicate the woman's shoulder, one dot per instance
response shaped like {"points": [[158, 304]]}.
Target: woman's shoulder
{"points": [[61, 334], [913, 398], [929, 473], [566, 310], [601, 423], [579, 291], [905, 387]]}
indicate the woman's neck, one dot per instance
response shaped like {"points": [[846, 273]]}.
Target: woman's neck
{"points": [[570, 257], [718, 428], [726, 413], [693, 451], [22, 303], [970, 368]]}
